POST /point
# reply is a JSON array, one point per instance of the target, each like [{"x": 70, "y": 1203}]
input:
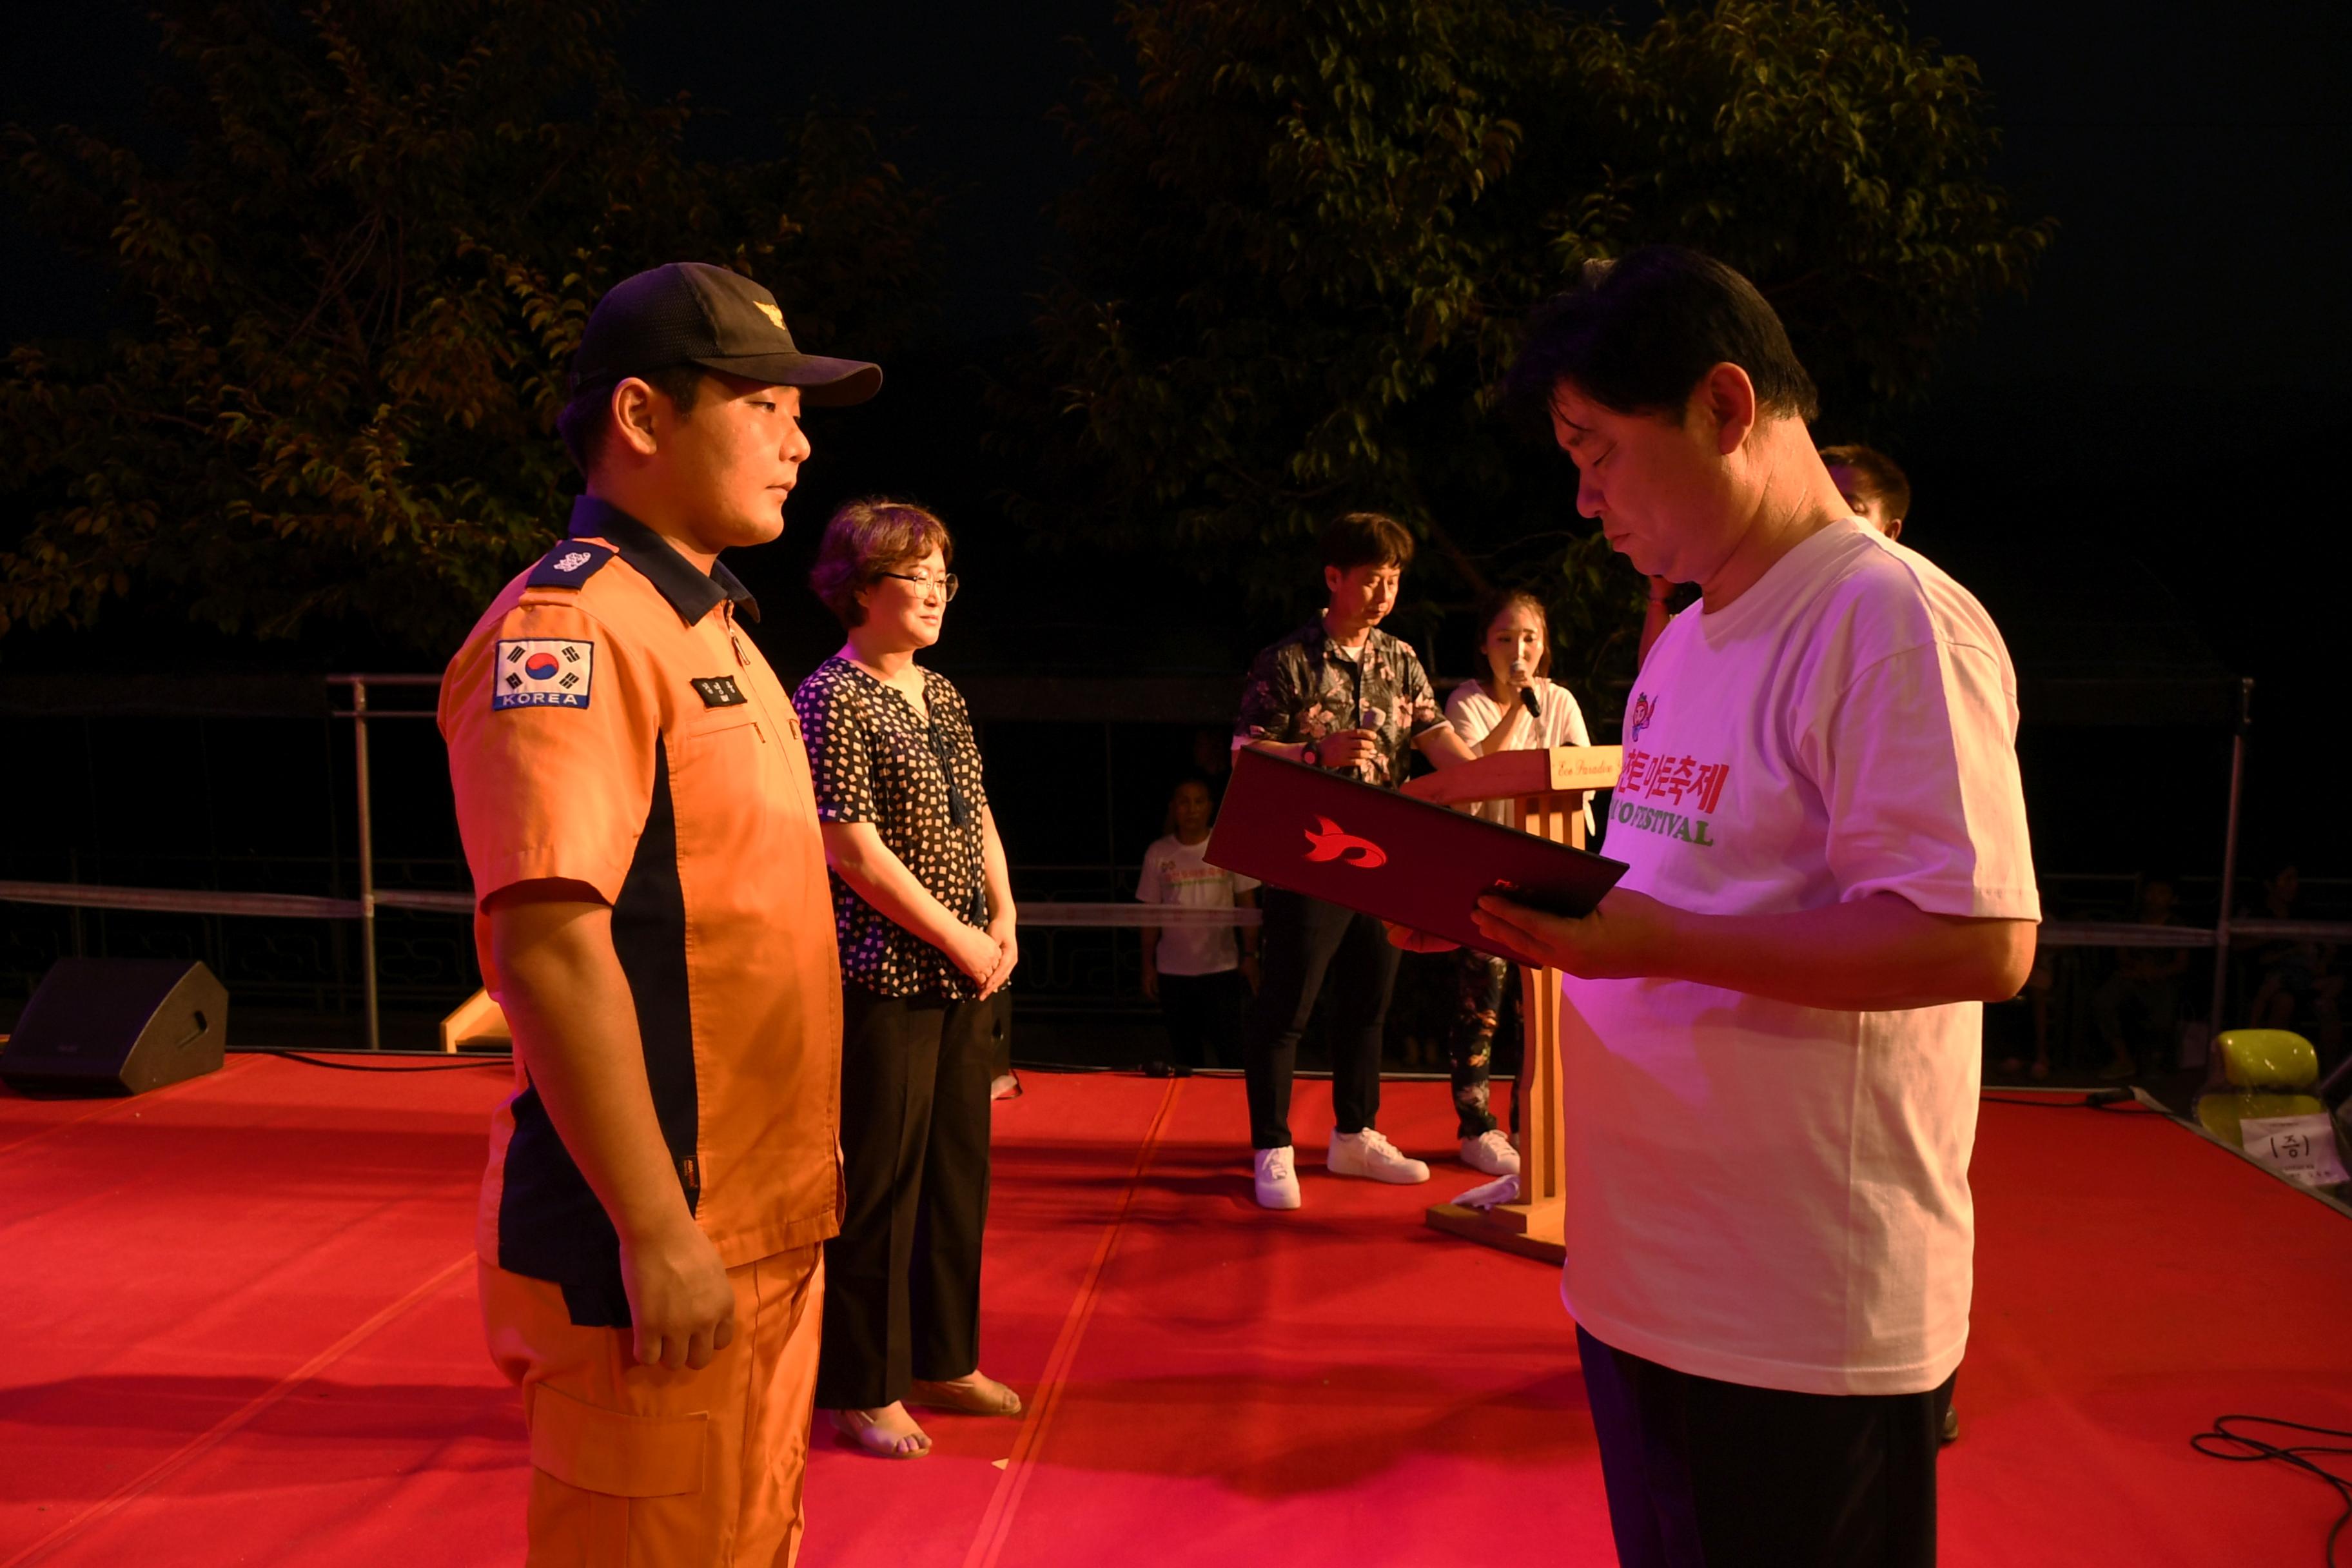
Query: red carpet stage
[{"x": 241, "y": 1330}]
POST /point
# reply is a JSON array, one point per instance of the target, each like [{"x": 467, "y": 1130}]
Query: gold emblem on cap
[{"x": 771, "y": 312}]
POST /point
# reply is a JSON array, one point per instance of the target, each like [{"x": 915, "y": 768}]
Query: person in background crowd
[
  {"x": 1338, "y": 693},
  {"x": 1201, "y": 976},
  {"x": 2296, "y": 975},
  {"x": 1880, "y": 494},
  {"x": 1771, "y": 1031},
  {"x": 1513, "y": 705},
  {"x": 1873, "y": 484},
  {"x": 924, "y": 908},
  {"x": 2146, "y": 981},
  {"x": 635, "y": 810}
]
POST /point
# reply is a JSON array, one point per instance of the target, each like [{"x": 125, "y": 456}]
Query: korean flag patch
[{"x": 542, "y": 672}]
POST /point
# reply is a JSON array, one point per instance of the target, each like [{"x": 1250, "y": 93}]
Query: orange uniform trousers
[{"x": 641, "y": 1467}]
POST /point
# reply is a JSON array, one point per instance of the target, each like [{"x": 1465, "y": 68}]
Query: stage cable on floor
[
  {"x": 2245, "y": 1449},
  {"x": 2116, "y": 1102},
  {"x": 1304, "y": 1074},
  {"x": 387, "y": 1067}
]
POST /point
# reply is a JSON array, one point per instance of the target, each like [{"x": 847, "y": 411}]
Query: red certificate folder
[{"x": 1381, "y": 853}]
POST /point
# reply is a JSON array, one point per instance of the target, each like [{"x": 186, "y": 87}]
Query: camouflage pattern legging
[{"x": 1485, "y": 1005}]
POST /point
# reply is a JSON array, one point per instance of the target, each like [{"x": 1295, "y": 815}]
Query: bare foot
[{"x": 889, "y": 1432}]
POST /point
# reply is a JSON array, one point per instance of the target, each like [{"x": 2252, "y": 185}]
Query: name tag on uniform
[
  {"x": 718, "y": 691},
  {"x": 542, "y": 672}
]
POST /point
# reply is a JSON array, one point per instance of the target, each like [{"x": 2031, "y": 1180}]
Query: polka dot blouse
[{"x": 875, "y": 759}]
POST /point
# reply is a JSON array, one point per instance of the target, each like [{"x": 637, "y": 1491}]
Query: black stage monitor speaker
[{"x": 116, "y": 1025}]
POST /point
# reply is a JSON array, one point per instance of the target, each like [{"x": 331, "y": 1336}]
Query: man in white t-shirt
[{"x": 1769, "y": 1052}]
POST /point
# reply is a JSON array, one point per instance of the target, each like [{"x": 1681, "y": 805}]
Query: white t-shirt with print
[
  {"x": 1175, "y": 872},
  {"x": 1473, "y": 716},
  {"x": 1758, "y": 1191}
]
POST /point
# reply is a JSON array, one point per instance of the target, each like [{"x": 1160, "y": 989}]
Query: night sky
[{"x": 2148, "y": 436}]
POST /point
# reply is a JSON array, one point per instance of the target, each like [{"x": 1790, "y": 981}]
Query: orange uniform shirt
[{"x": 609, "y": 722}]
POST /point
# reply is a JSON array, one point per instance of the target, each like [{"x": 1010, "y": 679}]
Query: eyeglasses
[{"x": 923, "y": 581}]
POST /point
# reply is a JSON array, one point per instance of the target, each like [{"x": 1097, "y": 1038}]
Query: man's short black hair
[
  {"x": 1880, "y": 478},
  {"x": 1366, "y": 539},
  {"x": 1637, "y": 334},
  {"x": 586, "y": 422}
]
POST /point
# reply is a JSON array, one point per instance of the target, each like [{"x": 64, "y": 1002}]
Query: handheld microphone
[{"x": 1527, "y": 693}]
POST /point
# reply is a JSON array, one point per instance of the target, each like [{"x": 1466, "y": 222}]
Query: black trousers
[
  {"x": 1303, "y": 940},
  {"x": 1706, "y": 1474},
  {"x": 1204, "y": 1016},
  {"x": 902, "y": 1279}
]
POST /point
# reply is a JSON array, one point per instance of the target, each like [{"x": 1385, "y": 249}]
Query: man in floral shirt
[{"x": 1338, "y": 693}]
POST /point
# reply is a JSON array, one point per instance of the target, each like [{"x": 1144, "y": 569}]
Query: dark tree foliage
[
  {"x": 1307, "y": 235},
  {"x": 349, "y": 297}
]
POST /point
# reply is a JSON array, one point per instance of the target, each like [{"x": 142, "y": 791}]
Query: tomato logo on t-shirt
[{"x": 1645, "y": 708}]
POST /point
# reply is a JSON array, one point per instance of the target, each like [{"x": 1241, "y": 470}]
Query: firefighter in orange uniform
[{"x": 653, "y": 916}]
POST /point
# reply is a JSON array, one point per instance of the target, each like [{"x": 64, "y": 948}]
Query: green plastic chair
[{"x": 2267, "y": 1070}]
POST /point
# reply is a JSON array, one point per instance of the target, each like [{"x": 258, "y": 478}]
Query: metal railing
[
  {"x": 2229, "y": 932},
  {"x": 371, "y": 899},
  {"x": 2226, "y": 931},
  {"x": 358, "y": 714}
]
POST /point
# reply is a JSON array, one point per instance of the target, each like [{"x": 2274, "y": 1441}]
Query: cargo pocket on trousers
[{"x": 642, "y": 1477}]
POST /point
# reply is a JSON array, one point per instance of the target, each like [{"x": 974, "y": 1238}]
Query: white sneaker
[
  {"x": 1491, "y": 1151},
  {"x": 1277, "y": 1181},
  {"x": 1367, "y": 1153}
]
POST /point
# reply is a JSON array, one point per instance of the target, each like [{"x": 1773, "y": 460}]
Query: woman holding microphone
[
  {"x": 1512, "y": 707},
  {"x": 923, "y": 908}
]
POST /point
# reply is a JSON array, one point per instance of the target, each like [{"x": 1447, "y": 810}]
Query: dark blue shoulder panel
[{"x": 568, "y": 565}]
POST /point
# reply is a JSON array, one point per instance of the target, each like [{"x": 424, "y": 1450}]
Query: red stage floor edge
[{"x": 244, "y": 1332}]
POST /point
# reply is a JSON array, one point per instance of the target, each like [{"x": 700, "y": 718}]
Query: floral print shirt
[
  {"x": 1305, "y": 688},
  {"x": 873, "y": 758}
]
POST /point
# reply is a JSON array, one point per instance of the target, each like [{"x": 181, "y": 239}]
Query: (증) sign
[{"x": 2300, "y": 1148}]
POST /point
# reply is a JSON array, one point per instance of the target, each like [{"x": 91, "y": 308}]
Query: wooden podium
[{"x": 1547, "y": 791}]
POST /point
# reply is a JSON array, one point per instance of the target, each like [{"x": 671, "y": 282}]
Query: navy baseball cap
[{"x": 690, "y": 313}]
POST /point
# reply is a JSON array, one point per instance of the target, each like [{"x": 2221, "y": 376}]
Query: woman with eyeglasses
[{"x": 923, "y": 908}]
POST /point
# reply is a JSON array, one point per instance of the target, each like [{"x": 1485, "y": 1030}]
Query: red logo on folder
[{"x": 1334, "y": 843}]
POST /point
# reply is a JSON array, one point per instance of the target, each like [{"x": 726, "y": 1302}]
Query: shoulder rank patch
[
  {"x": 568, "y": 566},
  {"x": 717, "y": 690},
  {"x": 542, "y": 672}
]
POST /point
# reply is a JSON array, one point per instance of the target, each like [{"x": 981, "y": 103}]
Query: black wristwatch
[{"x": 1311, "y": 755}]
